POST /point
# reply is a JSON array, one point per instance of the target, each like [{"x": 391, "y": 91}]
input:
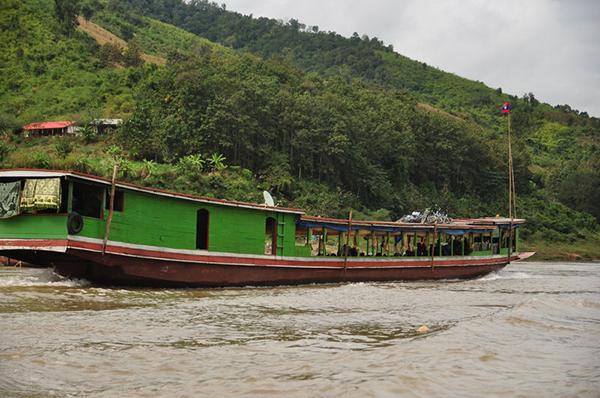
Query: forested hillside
[{"x": 325, "y": 122}]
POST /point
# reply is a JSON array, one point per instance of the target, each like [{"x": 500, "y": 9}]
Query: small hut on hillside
[
  {"x": 104, "y": 125},
  {"x": 49, "y": 128}
]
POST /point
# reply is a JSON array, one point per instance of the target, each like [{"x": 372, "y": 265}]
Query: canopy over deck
[{"x": 340, "y": 225}]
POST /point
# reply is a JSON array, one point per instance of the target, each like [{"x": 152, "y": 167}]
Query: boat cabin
[{"x": 141, "y": 216}]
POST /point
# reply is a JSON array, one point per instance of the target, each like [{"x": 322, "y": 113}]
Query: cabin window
[
  {"x": 87, "y": 200},
  {"x": 64, "y": 196},
  {"x": 202, "y": 229},
  {"x": 119, "y": 203},
  {"x": 270, "y": 236}
]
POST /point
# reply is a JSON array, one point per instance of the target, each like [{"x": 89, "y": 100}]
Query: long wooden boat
[{"x": 162, "y": 238}]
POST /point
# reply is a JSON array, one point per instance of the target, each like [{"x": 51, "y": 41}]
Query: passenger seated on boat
[
  {"x": 457, "y": 247},
  {"x": 445, "y": 249},
  {"x": 397, "y": 239},
  {"x": 409, "y": 252},
  {"x": 421, "y": 248},
  {"x": 353, "y": 251},
  {"x": 381, "y": 251}
]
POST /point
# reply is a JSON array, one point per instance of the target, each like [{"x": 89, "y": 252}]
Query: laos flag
[{"x": 506, "y": 107}]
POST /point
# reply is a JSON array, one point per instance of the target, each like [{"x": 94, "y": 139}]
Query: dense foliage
[
  {"x": 288, "y": 126},
  {"x": 334, "y": 56},
  {"x": 325, "y": 122}
]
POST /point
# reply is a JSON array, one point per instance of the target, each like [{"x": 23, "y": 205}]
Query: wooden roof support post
[
  {"x": 415, "y": 244},
  {"x": 110, "y": 208},
  {"x": 347, "y": 242},
  {"x": 433, "y": 244},
  {"x": 387, "y": 244},
  {"x": 322, "y": 242}
]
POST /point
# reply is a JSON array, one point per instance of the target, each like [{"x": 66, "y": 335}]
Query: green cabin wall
[
  {"x": 42, "y": 226},
  {"x": 170, "y": 222}
]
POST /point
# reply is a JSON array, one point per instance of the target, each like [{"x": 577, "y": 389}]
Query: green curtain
[
  {"x": 41, "y": 194},
  {"x": 9, "y": 199}
]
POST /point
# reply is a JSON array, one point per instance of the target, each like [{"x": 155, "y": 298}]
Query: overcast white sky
[{"x": 548, "y": 47}]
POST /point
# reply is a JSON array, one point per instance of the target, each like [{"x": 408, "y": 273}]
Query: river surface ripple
[{"x": 530, "y": 330}]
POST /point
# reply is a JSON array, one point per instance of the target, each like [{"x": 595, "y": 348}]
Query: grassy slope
[
  {"x": 583, "y": 250},
  {"x": 103, "y": 36},
  {"x": 45, "y": 75},
  {"x": 155, "y": 37}
]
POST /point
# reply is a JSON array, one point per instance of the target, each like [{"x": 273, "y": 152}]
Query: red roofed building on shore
[{"x": 49, "y": 128}]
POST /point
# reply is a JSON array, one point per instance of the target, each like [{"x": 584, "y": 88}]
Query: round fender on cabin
[{"x": 74, "y": 223}]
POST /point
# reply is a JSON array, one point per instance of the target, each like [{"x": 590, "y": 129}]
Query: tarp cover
[
  {"x": 453, "y": 231},
  {"x": 9, "y": 199},
  {"x": 41, "y": 194}
]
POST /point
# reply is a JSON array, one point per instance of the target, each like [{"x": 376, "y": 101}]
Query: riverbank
[{"x": 585, "y": 250}]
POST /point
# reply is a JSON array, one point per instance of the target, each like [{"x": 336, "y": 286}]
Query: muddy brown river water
[{"x": 530, "y": 330}]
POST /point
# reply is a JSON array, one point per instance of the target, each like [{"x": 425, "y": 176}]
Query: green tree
[
  {"x": 217, "y": 162},
  {"x": 191, "y": 164},
  {"x": 111, "y": 54},
  {"x": 148, "y": 168},
  {"x": 66, "y": 13},
  {"x": 4, "y": 150},
  {"x": 132, "y": 56},
  {"x": 89, "y": 134},
  {"x": 63, "y": 147}
]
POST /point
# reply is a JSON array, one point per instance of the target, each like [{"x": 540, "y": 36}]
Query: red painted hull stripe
[
  {"x": 216, "y": 259},
  {"x": 34, "y": 242}
]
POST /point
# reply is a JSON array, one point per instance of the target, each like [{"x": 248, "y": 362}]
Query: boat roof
[
  {"x": 41, "y": 173},
  {"x": 482, "y": 224},
  {"x": 490, "y": 220},
  {"x": 337, "y": 224}
]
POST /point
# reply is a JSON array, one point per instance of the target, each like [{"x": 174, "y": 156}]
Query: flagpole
[
  {"x": 510, "y": 177},
  {"x": 511, "y": 191},
  {"x": 514, "y": 192}
]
